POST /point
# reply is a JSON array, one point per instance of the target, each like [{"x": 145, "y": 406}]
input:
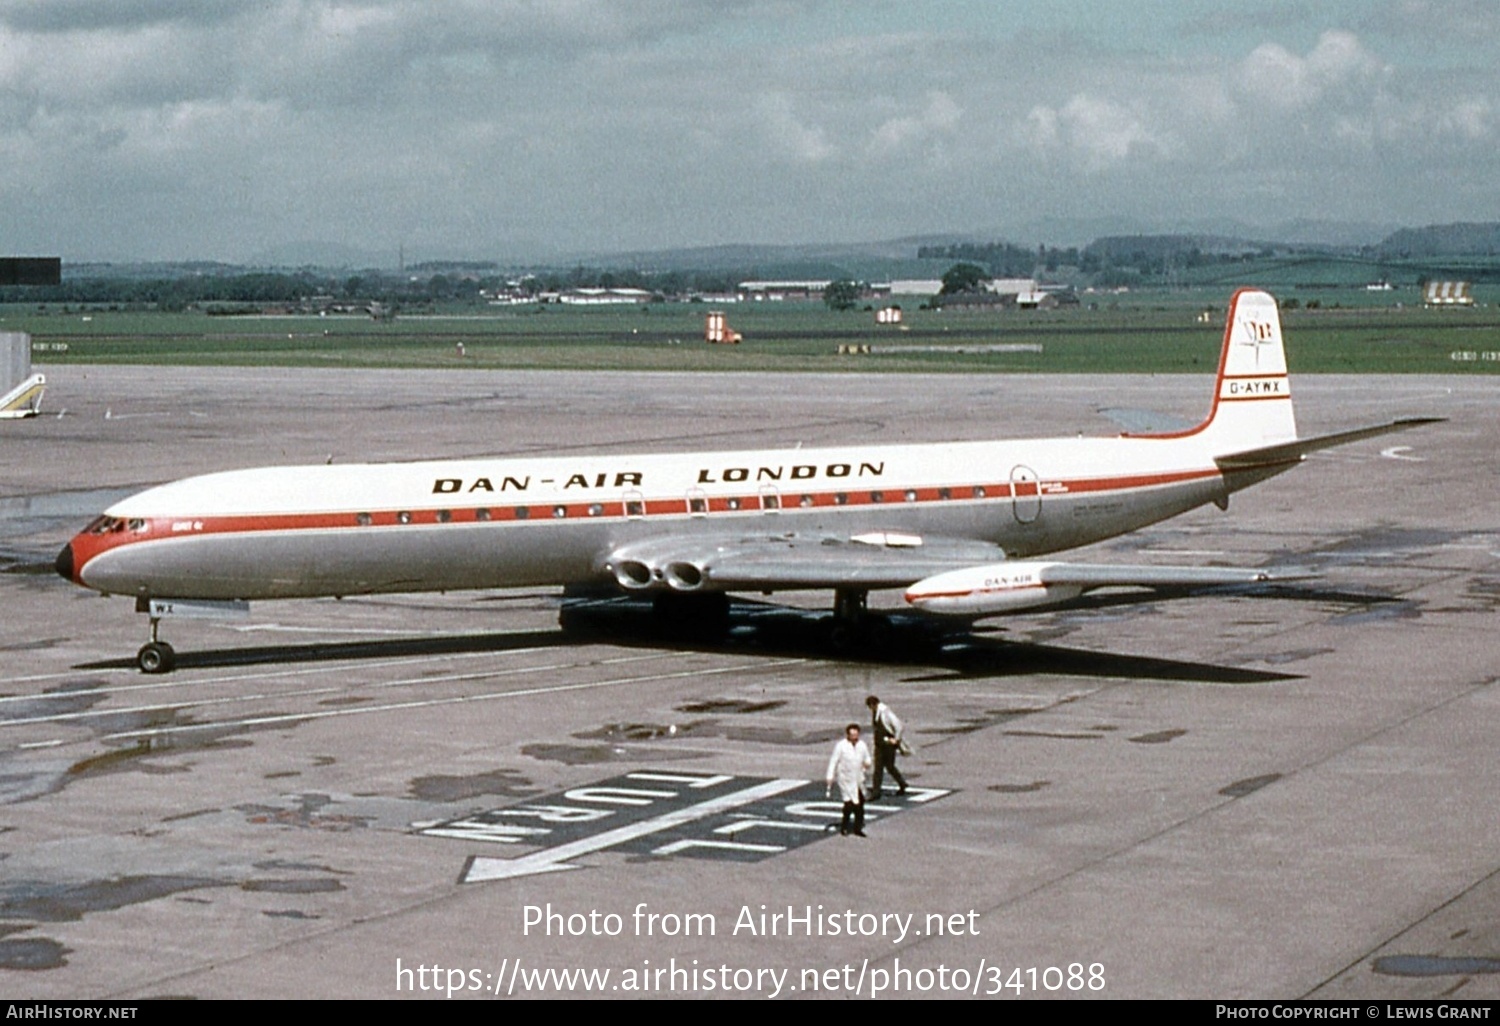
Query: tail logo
[{"x": 1256, "y": 335}]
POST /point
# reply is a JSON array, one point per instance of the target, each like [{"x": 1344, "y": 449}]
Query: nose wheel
[{"x": 156, "y": 656}]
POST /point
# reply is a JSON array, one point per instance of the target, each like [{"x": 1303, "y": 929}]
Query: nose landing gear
[{"x": 156, "y": 656}]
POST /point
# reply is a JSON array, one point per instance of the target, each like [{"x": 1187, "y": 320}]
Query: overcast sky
[{"x": 221, "y": 129}]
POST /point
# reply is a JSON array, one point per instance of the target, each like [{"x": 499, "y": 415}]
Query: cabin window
[
  {"x": 806, "y": 500},
  {"x": 635, "y": 508},
  {"x": 877, "y": 496},
  {"x": 444, "y": 516},
  {"x": 770, "y": 502},
  {"x": 363, "y": 519},
  {"x": 979, "y": 491},
  {"x": 559, "y": 511},
  {"x": 911, "y": 495},
  {"x": 734, "y": 503},
  {"x": 841, "y": 498},
  {"x": 595, "y": 509},
  {"x": 523, "y": 512},
  {"x": 697, "y": 504},
  {"x": 481, "y": 514},
  {"x": 404, "y": 517},
  {"x": 945, "y": 493}
]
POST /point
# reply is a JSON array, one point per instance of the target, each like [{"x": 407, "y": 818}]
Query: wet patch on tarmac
[
  {"x": 189, "y": 815},
  {"x": 1405, "y": 610},
  {"x": 73, "y": 696},
  {"x": 33, "y": 953},
  {"x": 640, "y": 731},
  {"x": 51, "y": 902},
  {"x": 121, "y": 759},
  {"x": 703, "y": 729},
  {"x": 506, "y": 782},
  {"x": 1035, "y": 785},
  {"x": 984, "y": 720},
  {"x": 30, "y": 782},
  {"x": 1382, "y": 544},
  {"x": 291, "y": 886},
  {"x": 778, "y": 736},
  {"x": 1159, "y": 737},
  {"x": 309, "y": 814},
  {"x": 586, "y": 755},
  {"x": 729, "y": 705},
  {"x": 284, "y": 866},
  {"x": 34, "y": 646},
  {"x": 1249, "y": 785},
  {"x": 1058, "y": 735},
  {"x": 1434, "y": 965},
  {"x": 1485, "y": 587},
  {"x": 1296, "y": 655},
  {"x": 1483, "y": 594}
]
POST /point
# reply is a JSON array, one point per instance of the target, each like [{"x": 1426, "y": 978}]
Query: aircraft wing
[
  {"x": 755, "y": 562},
  {"x": 1011, "y": 587}
]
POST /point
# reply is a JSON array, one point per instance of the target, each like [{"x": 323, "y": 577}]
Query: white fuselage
[{"x": 340, "y": 530}]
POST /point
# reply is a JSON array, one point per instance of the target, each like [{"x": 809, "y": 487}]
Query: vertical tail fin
[
  {"x": 1253, "y": 397},
  {"x": 1252, "y": 405}
]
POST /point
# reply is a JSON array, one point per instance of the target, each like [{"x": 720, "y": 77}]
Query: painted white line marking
[
  {"x": 273, "y": 695},
  {"x": 552, "y": 860},
  {"x": 259, "y": 721}
]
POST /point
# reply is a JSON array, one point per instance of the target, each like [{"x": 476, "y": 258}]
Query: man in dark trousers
[{"x": 888, "y": 742}]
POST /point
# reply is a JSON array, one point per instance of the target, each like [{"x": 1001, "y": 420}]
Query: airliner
[{"x": 959, "y": 526}]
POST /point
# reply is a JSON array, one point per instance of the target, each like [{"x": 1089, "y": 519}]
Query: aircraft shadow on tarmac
[{"x": 742, "y": 626}]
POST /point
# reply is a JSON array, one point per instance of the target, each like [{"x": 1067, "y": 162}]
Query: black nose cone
[{"x": 65, "y": 562}]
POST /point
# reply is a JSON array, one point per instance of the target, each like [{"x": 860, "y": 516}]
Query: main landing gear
[{"x": 853, "y": 625}]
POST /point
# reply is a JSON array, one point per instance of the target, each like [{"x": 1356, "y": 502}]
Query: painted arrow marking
[{"x": 551, "y": 860}]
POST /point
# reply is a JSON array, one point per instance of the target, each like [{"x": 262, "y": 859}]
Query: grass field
[{"x": 1351, "y": 331}]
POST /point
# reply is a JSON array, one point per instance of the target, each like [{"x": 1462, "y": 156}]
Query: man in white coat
[{"x": 848, "y": 765}]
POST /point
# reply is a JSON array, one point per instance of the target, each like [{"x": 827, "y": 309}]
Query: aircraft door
[{"x": 1025, "y": 494}]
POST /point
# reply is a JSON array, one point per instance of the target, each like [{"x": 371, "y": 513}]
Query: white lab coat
[{"x": 848, "y": 766}]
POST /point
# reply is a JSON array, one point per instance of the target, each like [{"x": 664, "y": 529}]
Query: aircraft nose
[{"x": 65, "y": 562}]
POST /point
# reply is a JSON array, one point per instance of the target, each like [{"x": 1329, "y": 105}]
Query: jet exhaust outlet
[
  {"x": 684, "y": 576},
  {"x": 633, "y": 574}
]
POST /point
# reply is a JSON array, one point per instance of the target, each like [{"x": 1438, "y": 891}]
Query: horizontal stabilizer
[{"x": 1293, "y": 452}]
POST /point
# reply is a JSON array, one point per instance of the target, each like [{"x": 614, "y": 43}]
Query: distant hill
[{"x": 1444, "y": 240}]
